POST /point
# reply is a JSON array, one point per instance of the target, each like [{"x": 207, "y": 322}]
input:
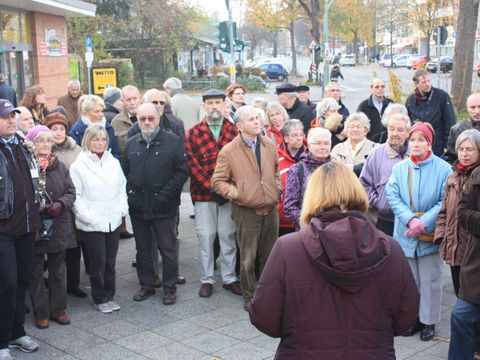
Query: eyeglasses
[
  {"x": 157, "y": 102},
  {"x": 320, "y": 143},
  {"x": 43, "y": 141},
  {"x": 467, "y": 150},
  {"x": 296, "y": 136},
  {"x": 239, "y": 93},
  {"x": 145, "y": 118},
  {"x": 355, "y": 127}
]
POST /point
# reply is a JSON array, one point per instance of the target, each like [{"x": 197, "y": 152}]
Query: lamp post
[
  {"x": 232, "y": 50},
  {"x": 326, "y": 68}
]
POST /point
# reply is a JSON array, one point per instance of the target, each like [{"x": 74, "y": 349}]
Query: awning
[{"x": 67, "y": 8}]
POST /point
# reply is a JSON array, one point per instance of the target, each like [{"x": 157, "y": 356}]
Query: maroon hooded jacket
[{"x": 337, "y": 289}]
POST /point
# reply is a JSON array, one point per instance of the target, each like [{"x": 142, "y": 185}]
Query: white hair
[
  {"x": 173, "y": 83},
  {"x": 318, "y": 132},
  {"x": 360, "y": 117}
]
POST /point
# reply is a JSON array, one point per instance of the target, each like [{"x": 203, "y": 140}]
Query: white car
[
  {"x": 348, "y": 60},
  {"x": 401, "y": 60}
]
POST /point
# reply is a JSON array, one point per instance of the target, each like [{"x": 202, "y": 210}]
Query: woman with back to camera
[{"x": 338, "y": 289}]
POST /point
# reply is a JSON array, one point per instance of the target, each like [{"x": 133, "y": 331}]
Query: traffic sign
[
  {"x": 103, "y": 78},
  {"x": 443, "y": 34},
  {"x": 88, "y": 43}
]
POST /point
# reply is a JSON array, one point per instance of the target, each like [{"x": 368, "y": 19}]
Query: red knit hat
[{"x": 426, "y": 129}]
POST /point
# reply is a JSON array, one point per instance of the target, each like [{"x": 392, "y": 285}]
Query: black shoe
[
  {"x": 413, "y": 329},
  {"x": 180, "y": 280},
  {"x": 77, "y": 292},
  {"x": 428, "y": 332},
  {"x": 126, "y": 235},
  {"x": 143, "y": 294}
]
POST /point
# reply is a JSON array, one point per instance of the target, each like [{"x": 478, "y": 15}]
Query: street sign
[
  {"x": 442, "y": 30},
  {"x": 313, "y": 69},
  {"x": 88, "y": 43},
  {"x": 312, "y": 45},
  {"x": 103, "y": 78}
]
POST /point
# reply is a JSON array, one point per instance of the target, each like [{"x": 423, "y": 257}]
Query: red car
[{"x": 419, "y": 62}]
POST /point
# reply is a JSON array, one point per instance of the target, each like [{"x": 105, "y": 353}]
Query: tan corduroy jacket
[{"x": 238, "y": 178}]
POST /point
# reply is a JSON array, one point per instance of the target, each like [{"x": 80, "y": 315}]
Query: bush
[{"x": 255, "y": 71}]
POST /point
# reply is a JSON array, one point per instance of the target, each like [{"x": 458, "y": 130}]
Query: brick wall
[{"x": 50, "y": 72}]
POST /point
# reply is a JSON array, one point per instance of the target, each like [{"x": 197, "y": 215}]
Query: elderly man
[
  {"x": 183, "y": 106},
  {"x": 434, "y": 106},
  {"x": 374, "y": 107},
  {"x": 247, "y": 175},
  {"x": 154, "y": 185},
  {"x": 113, "y": 103},
  {"x": 124, "y": 121},
  {"x": 212, "y": 212},
  {"x": 70, "y": 101},
  {"x": 24, "y": 121},
  {"x": 333, "y": 90},
  {"x": 303, "y": 93},
  {"x": 19, "y": 220},
  {"x": 378, "y": 168},
  {"x": 287, "y": 96},
  {"x": 473, "y": 122}
]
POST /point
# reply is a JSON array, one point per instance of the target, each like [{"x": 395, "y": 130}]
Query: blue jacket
[
  {"x": 78, "y": 130},
  {"x": 428, "y": 188}
]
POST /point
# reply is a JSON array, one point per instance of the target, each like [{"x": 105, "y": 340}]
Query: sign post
[
  {"x": 89, "y": 60},
  {"x": 440, "y": 36}
]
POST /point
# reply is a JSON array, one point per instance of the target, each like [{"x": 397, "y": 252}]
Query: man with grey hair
[
  {"x": 113, "y": 103},
  {"x": 154, "y": 186},
  {"x": 287, "y": 96},
  {"x": 473, "y": 122},
  {"x": 247, "y": 175},
  {"x": 183, "y": 106},
  {"x": 70, "y": 100},
  {"x": 24, "y": 121},
  {"x": 378, "y": 168}
]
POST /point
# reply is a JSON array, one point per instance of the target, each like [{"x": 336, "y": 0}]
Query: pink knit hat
[
  {"x": 33, "y": 132},
  {"x": 426, "y": 129}
]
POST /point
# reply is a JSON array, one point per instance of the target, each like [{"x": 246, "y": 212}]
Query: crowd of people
[{"x": 331, "y": 225}]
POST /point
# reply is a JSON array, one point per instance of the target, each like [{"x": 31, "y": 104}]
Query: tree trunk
[
  {"x": 275, "y": 43},
  {"x": 463, "y": 55},
  {"x": 355, "y": 46},
  {"x": 293, "y": 50},
  {"x": 428, "y": 47},
  {"x": 313, "y": 13}
]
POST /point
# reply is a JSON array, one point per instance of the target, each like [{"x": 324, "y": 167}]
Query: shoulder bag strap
[{"x": 412, "y": 205}]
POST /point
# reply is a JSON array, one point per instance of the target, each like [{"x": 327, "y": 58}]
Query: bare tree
[
  {"x": 463, "y": 56},
  {"x": 312, "y": 10}
]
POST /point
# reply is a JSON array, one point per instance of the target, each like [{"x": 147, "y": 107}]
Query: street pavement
[{"x": 194, "y": 328}]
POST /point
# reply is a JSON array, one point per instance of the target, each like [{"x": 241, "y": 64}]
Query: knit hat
[
  {"x": 36, "y": 130},
  {"x": 111, "y": 95},
  {"x": 55, "y": 118},
  {"x": 426, "y": 129}
]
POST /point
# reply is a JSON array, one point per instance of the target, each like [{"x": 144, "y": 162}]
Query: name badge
[{"x": 34, "y": 173}]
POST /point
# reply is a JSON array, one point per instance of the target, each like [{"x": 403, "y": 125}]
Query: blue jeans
[
  {"x": 16, "y": 256},
  {"x": 462, "y": 341}
]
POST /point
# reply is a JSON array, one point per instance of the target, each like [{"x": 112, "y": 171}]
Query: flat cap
[
  {"x": 285, "y": 87},
  {"x": 212, "y": 94},
  {"x": 301, "y": 87}
]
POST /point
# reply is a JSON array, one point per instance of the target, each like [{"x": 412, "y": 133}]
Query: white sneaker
[
  {"x": 6, "y": 355},
  {"x": 103, "y": 308},
  {"x": 24, "y": 343},
  {"x": 113, "y": 305}
]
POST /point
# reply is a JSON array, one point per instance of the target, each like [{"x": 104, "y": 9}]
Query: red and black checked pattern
[{"x": 202, "y": 152}]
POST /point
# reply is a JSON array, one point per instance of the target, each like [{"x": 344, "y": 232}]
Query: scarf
[{"x": 416, "y": 160}]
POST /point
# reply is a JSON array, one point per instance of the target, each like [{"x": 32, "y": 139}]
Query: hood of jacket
[
  {"x": 312, "y": 163},
  {"x": 68, "y": 144},
  {"x": 346, "y": 248}
]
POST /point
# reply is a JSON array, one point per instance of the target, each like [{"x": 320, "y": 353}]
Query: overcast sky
[{"x": 218, "y": 7}]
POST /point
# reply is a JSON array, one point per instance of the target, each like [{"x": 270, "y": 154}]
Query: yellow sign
[{"x": 103, "y": 78}]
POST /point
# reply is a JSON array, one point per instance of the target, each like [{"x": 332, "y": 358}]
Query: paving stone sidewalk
[{"x": 194, "y": 328}]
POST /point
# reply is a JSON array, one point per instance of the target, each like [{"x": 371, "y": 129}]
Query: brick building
[{"x": 33, "y": 43}]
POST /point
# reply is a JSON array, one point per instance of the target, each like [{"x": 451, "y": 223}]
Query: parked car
[
  {"x": 348, "y": 60},
  {"x": 419, "y": 62},
  {"x": 385, "y": 60},
  {"x": 410, "y": 61},
  {"x": 446, "y": 64},
  {"x": 401, "y": 60},
  {"x": 274, "y": 71}
]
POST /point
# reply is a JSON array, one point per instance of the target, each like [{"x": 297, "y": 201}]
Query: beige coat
[
  {"x": 121, "y": 123},
  {"x": 342, "y": 153},
  {"x": 67, "y": 152},
  {"x": 238, "y": 178},
  {"x": 185, "y": 108}
]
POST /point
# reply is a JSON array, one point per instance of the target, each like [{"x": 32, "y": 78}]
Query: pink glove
[{"x": 415, "y": 228}]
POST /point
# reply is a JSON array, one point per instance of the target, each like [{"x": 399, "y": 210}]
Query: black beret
[
  {"x": 303, "y": 88},
  {"x": 285, "y": 87}
]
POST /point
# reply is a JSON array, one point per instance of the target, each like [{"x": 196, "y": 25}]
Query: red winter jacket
[
  {"x": 202, "y": 152},
  {"x": 338, "y": 289}
]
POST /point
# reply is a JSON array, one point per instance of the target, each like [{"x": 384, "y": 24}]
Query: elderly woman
[
  {"x": 276, "y": 117},
  {"x": 289, "y": 153},
  {"x": 452, "y": 237},
  {"x": 415, "y": 192},
  {"x": 329, "y": 118},
  {"x": 34, "y": 99},
  {"x": 59, "y": 196},
  {"x": 91, "y": 112},
  {"x": 355, "y": 150},
  {"x": 66, "y": 150},
  {"x": 319, "y": 145},
  {"x": 338, "y": 281},
  {"x": 236, "y": 97},
  {"x": 100, "y": 205}
]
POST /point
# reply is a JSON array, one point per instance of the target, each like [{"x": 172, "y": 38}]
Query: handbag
[
  {"x": 47, "y": 225},
  {"x": 423, "y": 237}
]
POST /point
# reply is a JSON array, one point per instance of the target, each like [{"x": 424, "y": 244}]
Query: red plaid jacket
[{"x": 202, "y": 152}]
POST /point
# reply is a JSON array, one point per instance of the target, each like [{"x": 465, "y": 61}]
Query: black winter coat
[
  {"x": 8, "y": 93},
  {"x": 155, "y": 175},
  {"x": 110, "y": 112},
  {"x": 302, "y": 112},
  {"x": 436, "y": 109},
  {"x": 59, "y": 187},
  {"x": 169, "y": 123},
  {"x": 376, "y": 127}
]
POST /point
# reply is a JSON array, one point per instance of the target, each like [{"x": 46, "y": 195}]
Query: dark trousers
[
  {"x": 385, "y": 226},
  {"x": 15, "y": 266},
  {"x": 72, "y": 260},
  {"x": 166, "y": 235},
  {"x": 455, "y": 271},
  {"x": 102, "y": 251},
  {"x": 50, "y": 302}
]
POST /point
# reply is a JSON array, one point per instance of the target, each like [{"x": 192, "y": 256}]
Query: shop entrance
[{"x": 17, "y": 68}]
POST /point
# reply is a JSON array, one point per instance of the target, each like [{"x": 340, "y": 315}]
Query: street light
[
  {"x": 326, "y": 70},
  {"x": 232, "y": 50}
]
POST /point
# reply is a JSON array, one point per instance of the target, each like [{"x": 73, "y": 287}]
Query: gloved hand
[
  {"x": 54, "y": 210},
  {"x": 415, "y": 228},
  {"x": 220, "y": 200}
]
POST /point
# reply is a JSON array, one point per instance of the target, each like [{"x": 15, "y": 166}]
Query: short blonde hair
[
  {"x": 88, "y": 102},
  {"x": 275, "y": 105},
  {"x": 333, "y": 186},
  {"x": 92, "y": 131}
]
